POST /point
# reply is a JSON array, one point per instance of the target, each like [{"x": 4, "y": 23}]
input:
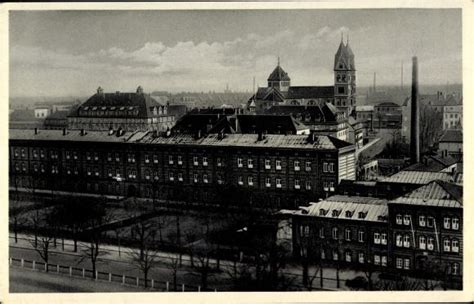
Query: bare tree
[
  {"x": 173, "y": 265},
  {"x": 42, "y": 244},
  {"x": 42, "y": 247},
  {"x": 144, "y": 230},
  {"x": 431, "y": 127},
  {"x": 16, "y": 219},
  {"x": 94, "y": 234},
  {"x": 144, "y": 259}
]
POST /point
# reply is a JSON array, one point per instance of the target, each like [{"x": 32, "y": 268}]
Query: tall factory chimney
[{"x": 415, "y": 115}]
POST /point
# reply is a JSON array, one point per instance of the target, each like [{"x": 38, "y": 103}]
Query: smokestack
[
  {"x": 375, "y": 79},
  {"x": 415, "y": 115},
  {"x": 401, "y": 78}
]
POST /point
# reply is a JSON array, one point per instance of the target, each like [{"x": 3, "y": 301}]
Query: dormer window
[
  {"x": 348, "y": 214},
  {"x": 362, "y": 215},
  {"x": 335, "y": 213},
  {"x": 322, "y": 212}
]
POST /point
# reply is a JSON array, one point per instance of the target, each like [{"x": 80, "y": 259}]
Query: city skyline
[{"x": 120, "y": 50}]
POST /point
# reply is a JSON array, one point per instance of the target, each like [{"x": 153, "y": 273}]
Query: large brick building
[
  {"x": 417, "y": 234},
  {"x": 126, "y": 111},
  {"x": 283, "y": 170}
]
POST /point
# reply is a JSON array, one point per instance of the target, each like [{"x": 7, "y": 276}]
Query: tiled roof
[
  {"x": 417, "y": 177},
  {"x": 308, "y": 92},
  {"x": 437, "y": 194},
  {"x": 278, "y": 74},
  {"x": 338, "y": 206},
  {"x": 121, "y": 103},
  {"x": 451, "y": 136},
  {"x": 322, "y": 142}
]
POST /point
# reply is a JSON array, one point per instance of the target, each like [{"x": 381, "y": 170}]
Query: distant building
[
  {"x": 24, "y": 119},
  {"x": 280, "y": 91},
  {"x": 449, "y": 106},
  {"x": 126, "y": 111},
  {"x": 387, "y": 115},
  {"x": 42, "y": 112},
  {"x": 451, "y": 144},
  {"x": 57, "y": 120}
]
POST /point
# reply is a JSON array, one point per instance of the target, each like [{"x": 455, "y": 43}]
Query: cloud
[{"x": 189, "y": 65}]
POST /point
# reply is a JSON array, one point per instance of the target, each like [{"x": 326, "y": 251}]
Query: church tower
[
  {"x": 344, "y": 78},
  {"x": 279, "y": 79}
]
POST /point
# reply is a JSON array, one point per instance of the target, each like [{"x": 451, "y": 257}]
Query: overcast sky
[{"x": 71, "y": 53}]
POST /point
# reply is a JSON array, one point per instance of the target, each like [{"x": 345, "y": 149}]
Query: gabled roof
[
  {"x": 268, "y": 94},
  {"x": 437, "y": 193},
  {"x": 278, "y": 74},
  {"x": 454, "y": 136}
]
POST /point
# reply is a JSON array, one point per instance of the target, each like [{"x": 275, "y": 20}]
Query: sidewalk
[{"x": 116, "y": 254}]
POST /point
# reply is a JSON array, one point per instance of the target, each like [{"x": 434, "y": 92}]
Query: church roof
[
  {"x": 345, "y": 56},
  {"x": 278, "y": 74}
]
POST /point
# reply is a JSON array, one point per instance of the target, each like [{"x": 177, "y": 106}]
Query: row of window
[
  {"x": 427, "y": 243},
  {"x": 380, "y": 260},
  {"x": 428, "y": 221},
  {"x": 379, "y": 237},
  {"x": 327, "y": 166}
]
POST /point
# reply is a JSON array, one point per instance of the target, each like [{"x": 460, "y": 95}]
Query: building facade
[
  {"x": 125, "y": 111},
  {"x": 283, "y": 170},
  {"x": 418, "y": 234}
]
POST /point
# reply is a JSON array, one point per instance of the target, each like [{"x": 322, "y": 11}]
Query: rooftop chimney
[
  {"x": 64, "y": 131},
  {"x": 415, "y": 115}
]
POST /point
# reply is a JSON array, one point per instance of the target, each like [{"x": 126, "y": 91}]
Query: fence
[{"x": 103, "y": 276}]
